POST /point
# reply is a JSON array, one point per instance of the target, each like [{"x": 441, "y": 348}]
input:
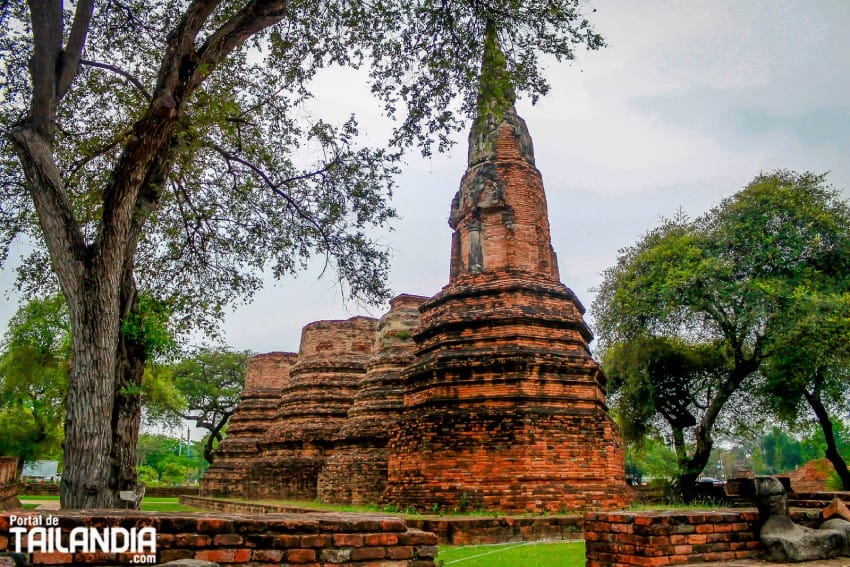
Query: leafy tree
[
  {"x": 34, "y": 380},
  {"x": 779, "y": 452},
  {"x": 809, "y": 368},
  {"x": 211, "y": 382},
  {"x": 162, "y": 149},
  {"x": 710, "y": 298}
]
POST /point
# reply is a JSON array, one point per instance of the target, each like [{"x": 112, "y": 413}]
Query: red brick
[
  {"x": 227, "y": 540},
  {"x": 224, "y": 555},
  {"x": 365, "y": 553},
  {"x": 56, "y": 558},
  {"x": 270, "y": 555},
  {"x": 386, "y": 539},
  {"x": 300, "y": 555},
  {"x": 316, "y": 540}
]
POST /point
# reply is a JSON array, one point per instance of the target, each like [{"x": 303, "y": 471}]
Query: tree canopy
[
  {"x": 699, "y": 309},
  {"x": 210, "y": 382}
]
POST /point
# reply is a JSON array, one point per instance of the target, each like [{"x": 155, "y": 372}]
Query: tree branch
[
  {"x": 74, "y": 49},
  {"x": 119, "y": 71},
  {"x": 47, "y": 47}
]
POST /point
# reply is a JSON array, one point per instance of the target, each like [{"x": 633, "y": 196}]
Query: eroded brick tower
[
  {"x": 265, "y": 378},
  {"x": 356, "y": 472},
  {"x": 504, "y": 408},
  {"x": 313, "y": 406}
]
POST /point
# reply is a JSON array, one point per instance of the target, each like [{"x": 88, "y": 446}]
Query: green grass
[
  {"x": 521, "y": 554},
  {"x": 149, "y": 504},
  {"x": 164, "y": 505}
]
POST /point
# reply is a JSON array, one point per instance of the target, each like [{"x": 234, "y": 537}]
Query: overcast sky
[{"x": 689, "y": 101}]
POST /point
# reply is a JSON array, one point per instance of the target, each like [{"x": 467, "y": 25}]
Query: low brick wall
[
  {"x": 297, "y": 540},
  {"x": 464, "y": 530},
  {"x": 620, "y": 539}
]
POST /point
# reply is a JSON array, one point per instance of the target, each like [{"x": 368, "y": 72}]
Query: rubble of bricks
[
  {"x": 9, "y": 484},
  {"x": 312, "y": 409},
  {"x": 812, "y": 477},
  {"x": 356, "y": 472},
  {"x": 504, "y": 407},
  {"x": 346, "y": 540},
  {"x": 265, "y": 378}
]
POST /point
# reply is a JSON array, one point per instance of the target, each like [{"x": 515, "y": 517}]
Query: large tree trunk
[
  {"x": 838, "y": 462},
  {"x": 127, "y": 410},
  {"x": 91, "y": 393}
]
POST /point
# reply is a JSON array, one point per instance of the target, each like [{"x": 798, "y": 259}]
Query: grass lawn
[
  {"x": 149, "y": 504},
  {"x": 521, "y": 554}
]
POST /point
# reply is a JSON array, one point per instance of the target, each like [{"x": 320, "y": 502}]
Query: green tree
[
  {"x": 210, "y": 382},
  {"x": 779, "y": 452},
  {"x": 34, "y": 369},
  {"x": 163, "y": 146},
  {"x": 719, "y": 287},
  {"x": 809, "y": 367}
]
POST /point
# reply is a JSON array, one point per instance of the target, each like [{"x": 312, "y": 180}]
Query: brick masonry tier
[
  {"x": 356, "y": 472},
  {"x": 275, "y": 539},
  {"x": 266, "y": 375},
  {"x": 517, "y": 460},
  {"x": 9, "y": 484}
]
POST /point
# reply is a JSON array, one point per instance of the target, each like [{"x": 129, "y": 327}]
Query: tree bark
[
  {"x": 832, "y": 453},
  {"x": 127, "y": 408}
]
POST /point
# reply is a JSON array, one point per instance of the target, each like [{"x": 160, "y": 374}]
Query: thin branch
[
  {"x": 74, "y": 49},
  {"x": 118, "y": 71}
]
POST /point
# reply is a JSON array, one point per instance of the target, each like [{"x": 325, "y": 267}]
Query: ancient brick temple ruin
[{"x": 490, "y": 401}]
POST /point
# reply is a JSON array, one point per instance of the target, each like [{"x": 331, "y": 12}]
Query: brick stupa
[
  {"x": 356, "y": 472},
  {"x": 313, "y": 407},
  {"x": 504, "y": 408},
  {"x": 265, "y": 377}
]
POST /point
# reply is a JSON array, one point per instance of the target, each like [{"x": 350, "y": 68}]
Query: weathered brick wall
[
  {"x": 265, "y": 378},
  {"x": 9, "y": 483},
  {"x": 303, "y": 539},
  {"x": 313, "y": 407},
  {"x": 356, "y": 472},
  {"x": 621, "y": 539}
]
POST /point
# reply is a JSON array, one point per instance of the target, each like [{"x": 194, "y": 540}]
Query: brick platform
[{"x": 306, "y": 540}]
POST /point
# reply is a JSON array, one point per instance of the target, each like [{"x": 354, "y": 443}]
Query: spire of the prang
[
  {"x": 496, "y": 98},
  {"x": 499, "y": 214}
]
